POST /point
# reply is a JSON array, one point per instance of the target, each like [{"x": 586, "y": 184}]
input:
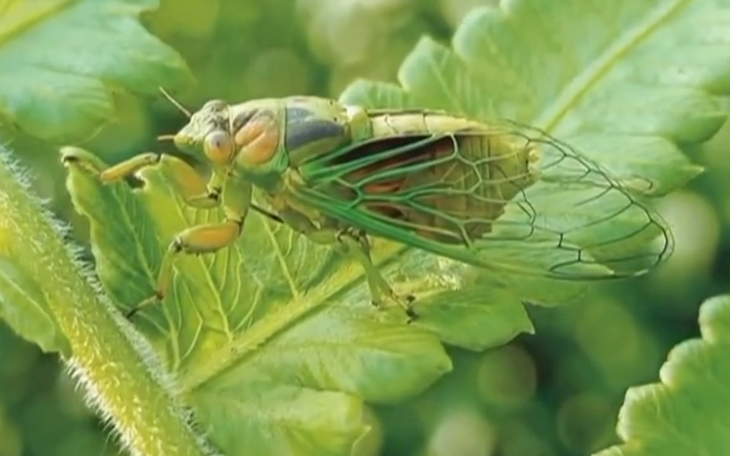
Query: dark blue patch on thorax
[{"x": 303, "y": 127}]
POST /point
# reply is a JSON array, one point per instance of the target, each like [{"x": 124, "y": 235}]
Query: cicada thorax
[
  {"x": 443, "y": 177},
  {"x": 274, "y": 135}
]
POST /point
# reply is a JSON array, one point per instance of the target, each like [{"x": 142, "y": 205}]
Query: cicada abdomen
[{"x": 442, "y": 177}]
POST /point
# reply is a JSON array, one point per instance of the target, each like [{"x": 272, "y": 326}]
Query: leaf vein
[{"x": 584, "y": 82}]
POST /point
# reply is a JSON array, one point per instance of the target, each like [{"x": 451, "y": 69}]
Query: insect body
[{"x": 494, "y": 195}]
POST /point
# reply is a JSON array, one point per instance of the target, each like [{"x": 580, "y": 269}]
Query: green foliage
[
  {"x": 518, "y": 75},
  {"x": 687, "y": 412},
  {"x": 600, "y": 93},
  {"x": 65, "y": 93},
  {"x": 94, "y": 333},
  {"x": 24, "y": 307},
  {"x": 273, "y": 343}
]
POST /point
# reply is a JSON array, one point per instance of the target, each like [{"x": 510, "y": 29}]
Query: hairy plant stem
[{"x": 118, "y": 368}]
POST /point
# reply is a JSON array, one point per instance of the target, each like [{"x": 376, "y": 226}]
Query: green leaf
[
  {"x": 275, "y": 419},
  {"x": 687, "y": 412},
  {"x": 623, "y": 82},
  {"x": 23, "y": 306},
  {"x": 622, "y": 90},
  {"x": 113, "y": 362},
  {"x": 475, "y": 318},
  {"x": 271, "y": 310},
  {"x": 62, "y": 60},
  {"x": 278, "y": 315}
]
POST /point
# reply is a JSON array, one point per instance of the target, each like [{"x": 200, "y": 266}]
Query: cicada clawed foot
[
  {"x": 78, "y": 157},
  {"x": 403, "y": 301},
  {"x": 152, "y": 300}
]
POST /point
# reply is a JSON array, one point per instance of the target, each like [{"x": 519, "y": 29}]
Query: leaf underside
[{"x": 621, "y": 81}]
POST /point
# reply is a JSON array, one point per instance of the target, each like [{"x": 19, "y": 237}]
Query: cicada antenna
[{"x": 175, "y": 103}]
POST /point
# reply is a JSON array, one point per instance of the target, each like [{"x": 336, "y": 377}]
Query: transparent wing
[
  {"x": 504, "y": 196},
  {"x": 575, "y": 221}
]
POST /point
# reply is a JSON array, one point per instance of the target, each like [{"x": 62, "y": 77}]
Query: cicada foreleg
[
  {"x": 86, "y": 161},
  {"x": 235, "y": 198},
  {"x": 190, "y": 185},
  {"x": 232, "y": 194},
  {"x": 188, "y": 182}
]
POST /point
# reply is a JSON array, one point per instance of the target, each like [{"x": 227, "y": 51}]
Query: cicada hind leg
[{"x": 356, "y": 243}]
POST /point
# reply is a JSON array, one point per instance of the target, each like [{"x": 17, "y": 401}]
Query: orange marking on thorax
[{"x": 258, "y": 140}]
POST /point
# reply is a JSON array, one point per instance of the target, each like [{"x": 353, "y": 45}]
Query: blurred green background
[{"x": 554, "y": 393}]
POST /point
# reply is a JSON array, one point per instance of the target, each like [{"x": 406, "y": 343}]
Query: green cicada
[{"x": 494, "y": 195}]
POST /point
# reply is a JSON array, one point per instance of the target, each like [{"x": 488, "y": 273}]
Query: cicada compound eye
[{"x": 219, "y": 147}]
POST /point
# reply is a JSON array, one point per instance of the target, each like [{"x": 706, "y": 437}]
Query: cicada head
[
  {"x": 244, "y": 137},
  {"x": 207, "y": 134}
]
